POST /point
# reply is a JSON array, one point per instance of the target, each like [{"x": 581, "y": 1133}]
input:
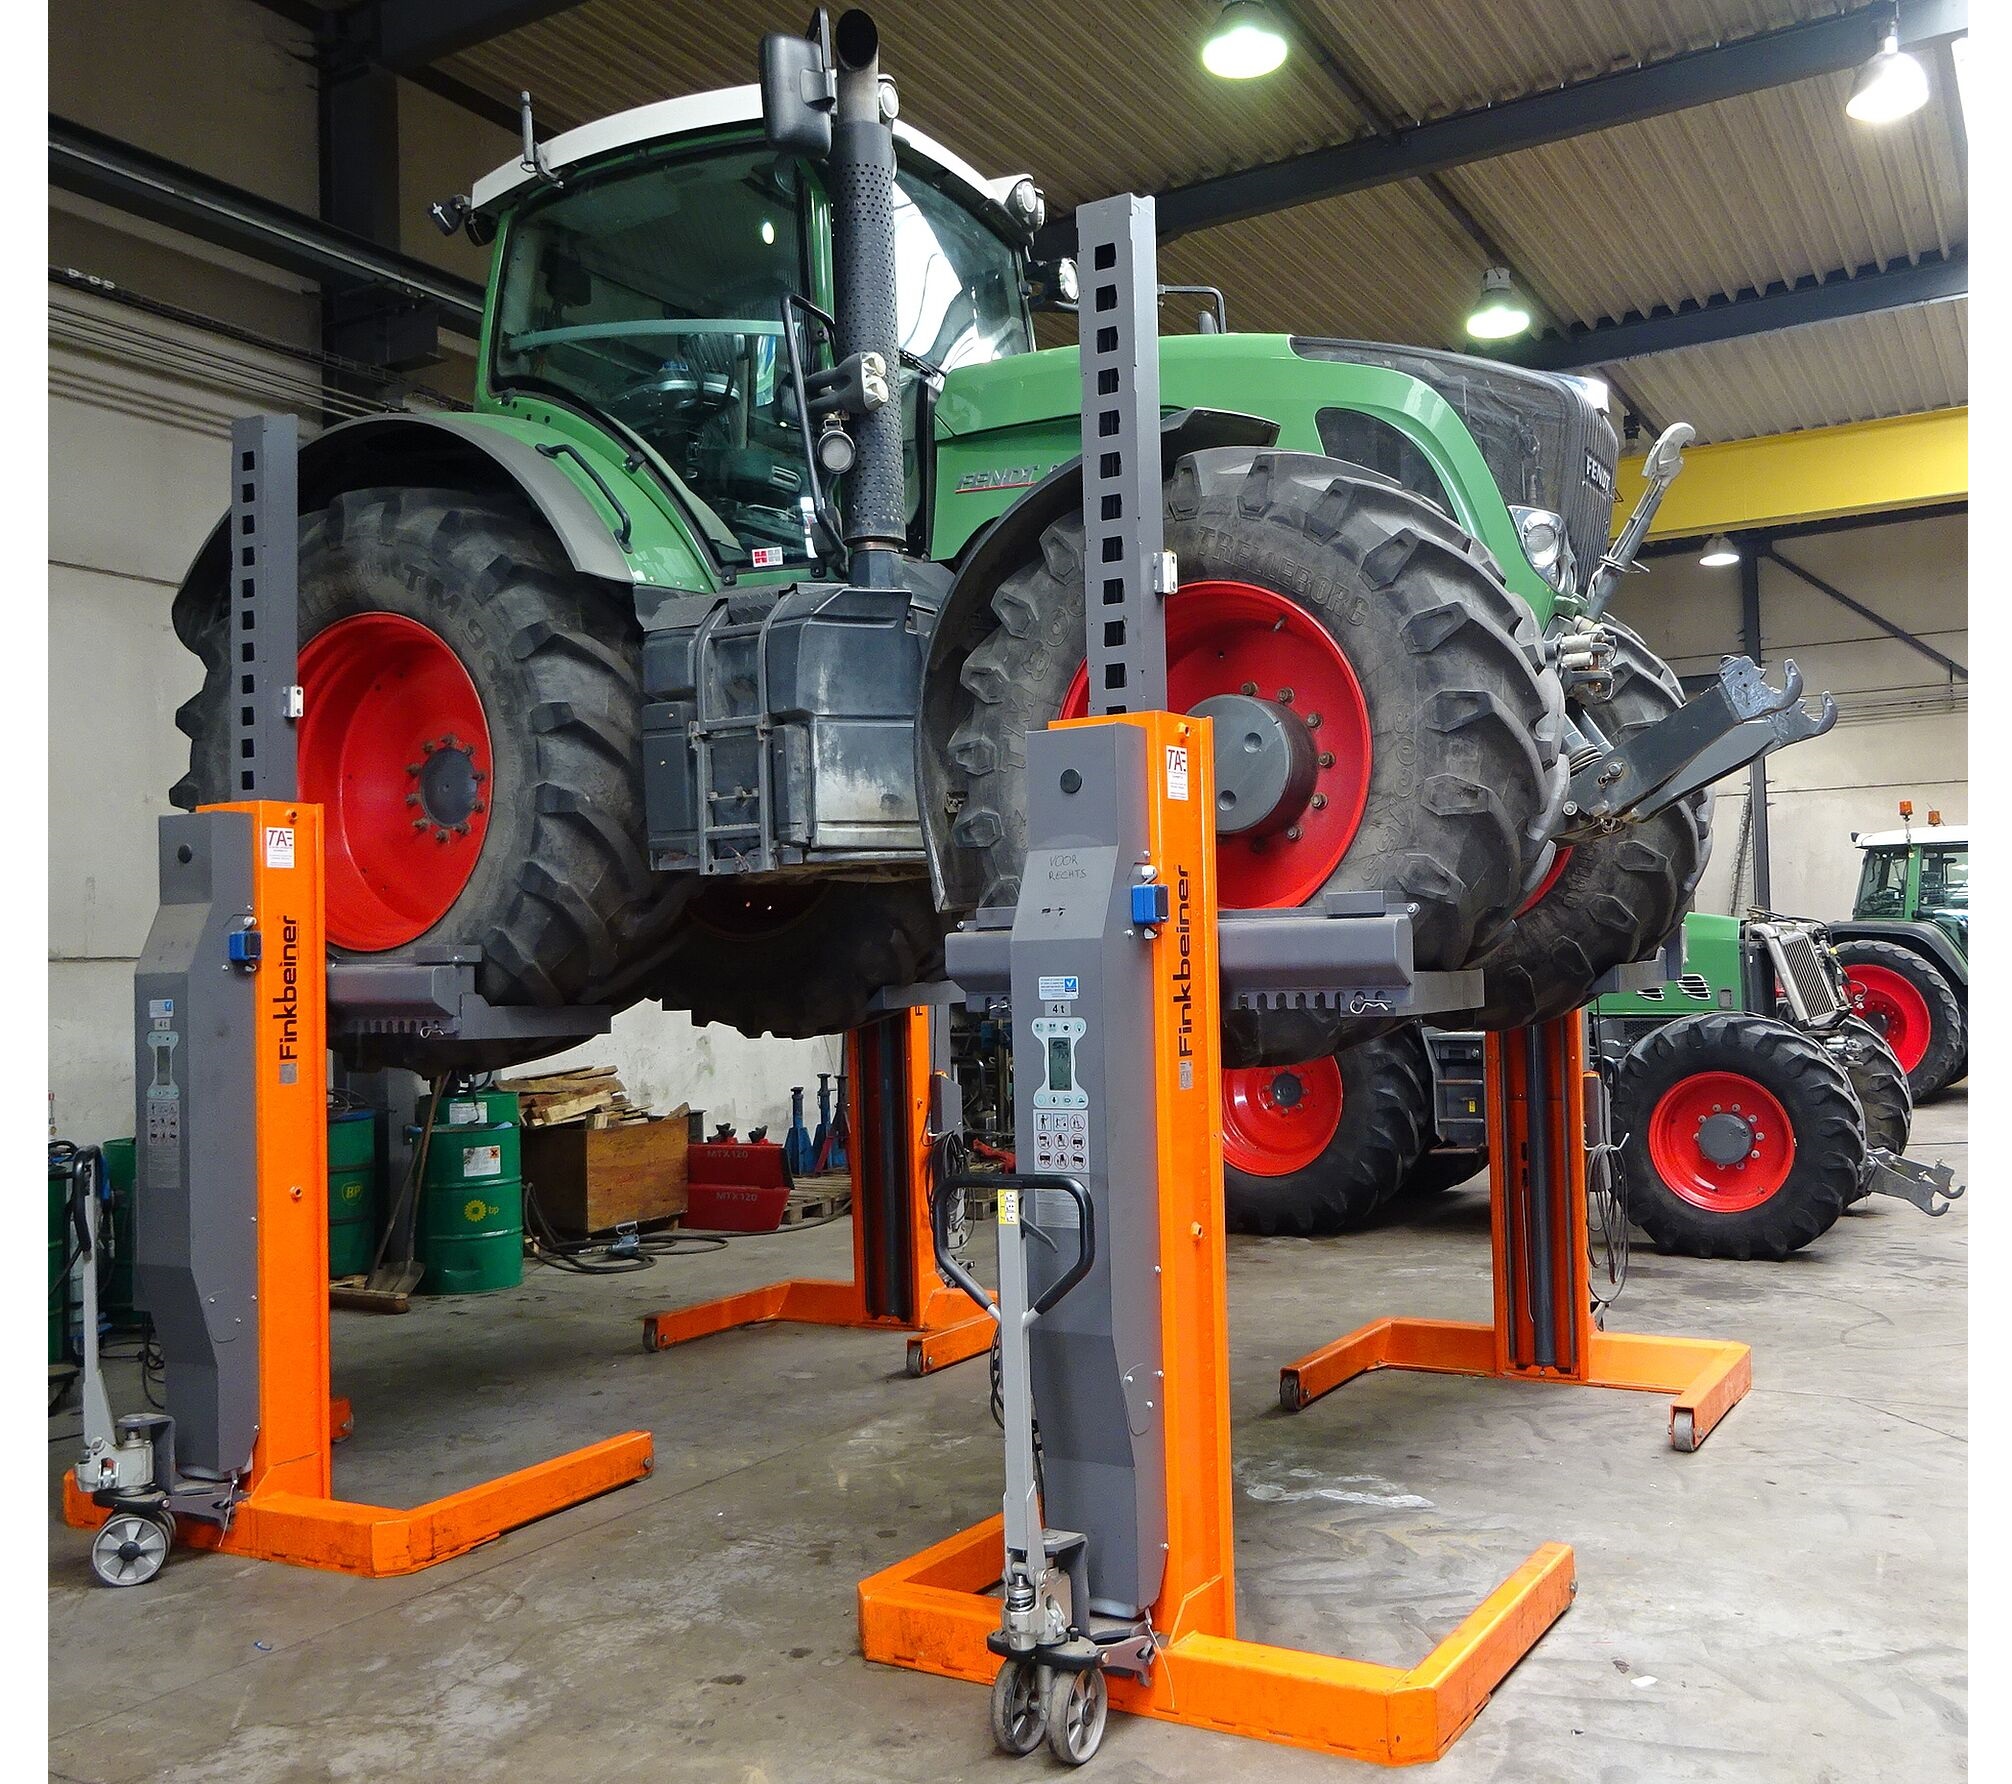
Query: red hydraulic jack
[
  {"x": 1543, "y": 1326},
  {"x": 895, "y": 1284}
]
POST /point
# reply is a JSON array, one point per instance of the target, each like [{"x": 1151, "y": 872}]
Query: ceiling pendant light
[
  {"x": 1888, "y": 87},
  {"x": 1719, "y": 551},
  {"x": 1246, "y": 42},
  {"x": 1502, "y": 311}
]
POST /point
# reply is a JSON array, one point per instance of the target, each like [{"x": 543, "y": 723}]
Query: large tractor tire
[
  {"x": 1905, "y": 997},
  {"x": 1320, "y": 1146},
  {"x": 1612, "y": 899},
  {"x": 798, "y": 958},
  {"x": 1388, "y": 642},
  {"x": 1743, "y": 1136},
  {"x": 1880, "y": 1085},
  {"x": 471, "y": 733}
]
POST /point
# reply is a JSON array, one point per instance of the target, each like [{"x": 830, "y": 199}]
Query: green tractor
[
  {"x": 1750, "y": 1104},
  {"x": 693, "y": 663},
  {"x": 1906, "y": 947}
]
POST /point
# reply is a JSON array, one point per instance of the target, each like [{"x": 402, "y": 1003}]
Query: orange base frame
[
  {"x": 1706, "y": 1378},
  {"x": 946, "y": 1329},
  {"x": 933, "y": 1612},
  {"x": 272, "y": 1524}
]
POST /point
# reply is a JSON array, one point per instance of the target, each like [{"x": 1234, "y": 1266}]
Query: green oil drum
[
  {"x": 115, "y": 1294},
  {"x": 352, "y": 1191},
  {"x": 471, "y": 1203}
]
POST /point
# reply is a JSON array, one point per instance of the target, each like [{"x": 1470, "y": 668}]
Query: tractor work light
[
  {"x": 1719, "y": 552},
  {"x": 1889, "y": 87},
  {"x": 1501, "y": 313},
  {"x": 1246, "y": 42}
]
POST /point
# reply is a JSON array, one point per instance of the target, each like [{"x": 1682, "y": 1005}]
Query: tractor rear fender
[
  {"x": 967, "y": 616},
  {"x": 456, "y": 452},
  {"x": 1918, "y": 938}
]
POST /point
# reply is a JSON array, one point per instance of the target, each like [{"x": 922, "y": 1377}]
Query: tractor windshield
[
  {"x": 651, "y": 293},
  {"x": 1882, "y": 884}
]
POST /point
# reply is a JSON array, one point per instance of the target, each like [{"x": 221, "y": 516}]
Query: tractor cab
[
  {"x": 1913, "y": 876},
  {"x": 659, "y": 272}
]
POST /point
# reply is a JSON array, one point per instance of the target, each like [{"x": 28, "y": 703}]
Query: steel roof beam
[
  {"x": 1749, "y": 65},
  {"x": 143, "y": 185},
  {"x": 1892, "y": 629},
  {"x": 404, "y": 35},
  {"x": 1933, "y": 279}
]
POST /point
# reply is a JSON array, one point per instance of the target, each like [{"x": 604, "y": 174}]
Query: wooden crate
[{"x": 589, "y": 1179}]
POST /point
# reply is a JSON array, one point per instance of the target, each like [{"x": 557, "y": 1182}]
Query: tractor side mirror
[{"x": 799, "y": 90}]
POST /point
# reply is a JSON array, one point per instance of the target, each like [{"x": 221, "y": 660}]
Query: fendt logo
[{"x": 1005, "y": 477}]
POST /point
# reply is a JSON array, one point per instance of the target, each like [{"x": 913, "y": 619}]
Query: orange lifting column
[
  {"x": 287, "y": 1514},
  {"x": 933, "y": 1611},
  {"x": 1705, "y": 1377},
  {"x": 895, "y": 1283}
]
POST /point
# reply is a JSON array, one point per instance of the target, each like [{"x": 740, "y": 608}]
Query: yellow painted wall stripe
[{"x": 1865, "y": 467}]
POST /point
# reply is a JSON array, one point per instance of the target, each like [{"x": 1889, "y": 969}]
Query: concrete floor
[{"x": 1789, "y": 1603}]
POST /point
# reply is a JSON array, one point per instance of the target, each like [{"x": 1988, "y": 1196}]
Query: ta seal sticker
[
  {"x": 279, "y": 845},
  {"x": 1177, "y": 772}
]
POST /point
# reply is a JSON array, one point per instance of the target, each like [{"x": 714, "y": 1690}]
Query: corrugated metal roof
[
  {"x": 1892, "y": 363},
  {"x": 1110, "y": 96}
]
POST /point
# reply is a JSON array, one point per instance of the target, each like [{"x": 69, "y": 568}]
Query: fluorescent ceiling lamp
[
  {"x": 1719, "y": 551},
  {"x": 1888, "y": 87},
  {"x": 1501, "y": 312},
  {"x": 1246, "y": 42}
]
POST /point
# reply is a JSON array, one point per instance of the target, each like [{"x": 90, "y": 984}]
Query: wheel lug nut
[
  {"x": 1292, "y": 835},
  {"x": 440, "y": 836},
  {"x": 461, "y": 829},
  {"x": 1249, "y": 687},
  {"x": 480, "y": 777},
  {"x": 1285, "y": 696},
  {"x": 1325, "y": 758},
  {"x": 412, "y": 799},
  {"x": 419, "y": 823},
  {"x": 429, "y": 746},
  {"x": 1313, "y": 721},
  {"x": 479, "y": 805},
  {"x": 413, "y": 768},
  {"x": 1318, "y": 802}
]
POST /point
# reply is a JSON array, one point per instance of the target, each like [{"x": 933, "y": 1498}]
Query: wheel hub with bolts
[
  {"x": 1727, "y": 1137},
  {"x": 1266, "y": 764},
  {"x": 447, "y": 790}
]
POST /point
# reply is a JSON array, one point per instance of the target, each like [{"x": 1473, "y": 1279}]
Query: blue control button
[
  {"x": 1149, "y": 904},
  {"x": 244, "y": 947}
]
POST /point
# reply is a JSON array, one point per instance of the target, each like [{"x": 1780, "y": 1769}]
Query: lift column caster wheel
[{"x": 131, "y": 1547}]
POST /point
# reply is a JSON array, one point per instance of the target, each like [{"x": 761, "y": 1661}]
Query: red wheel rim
[
  {"x": 1677, "y": 1149},
  {"x": 1226, "y": 637},
  {"x": 394, "y": 747},
  {"x": 1894, "y": 1006},
  {"x": 1278, "y": 1119}
]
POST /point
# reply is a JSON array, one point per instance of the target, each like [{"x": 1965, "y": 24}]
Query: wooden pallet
[{"x": 818, "y": 1198}]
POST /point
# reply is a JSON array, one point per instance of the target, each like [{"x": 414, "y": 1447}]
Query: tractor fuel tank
[{"x": 779, "y": 728}]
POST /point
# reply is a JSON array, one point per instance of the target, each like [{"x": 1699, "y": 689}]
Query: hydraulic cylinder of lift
[{"x": 1537, "y": 1189}]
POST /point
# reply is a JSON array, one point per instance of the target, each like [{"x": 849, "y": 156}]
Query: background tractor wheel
[
  {"x": 1881, "y": 1088},
  {"x": 1611, "y": 899},
  {"x": 1907, "y": 999},
  {"x": 1364, "y": 627},
  {"x": 798, "y": 958},
  {"x": 1318, "y": 1147},
  {"x": 471, "y": 732},
  {"x": 1745, "y": 1139}
]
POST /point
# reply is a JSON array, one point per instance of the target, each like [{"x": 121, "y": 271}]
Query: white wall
[
  {"x": 137, "y": 444},
  {"x": 1902, "y": 729}
]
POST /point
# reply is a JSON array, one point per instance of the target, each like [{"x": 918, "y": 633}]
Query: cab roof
[
  {"x": 697, "y": 113},
  {"x": 1928, "y": 833}
]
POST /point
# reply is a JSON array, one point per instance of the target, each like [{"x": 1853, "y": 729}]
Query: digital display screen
[{"x": 1059, "y": 1065}]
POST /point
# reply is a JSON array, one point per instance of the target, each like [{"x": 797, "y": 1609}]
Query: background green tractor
[
  {"x": 1750, "y": 1104},
  {"x": 1906, "y": 947},
  {"x": 693, "y": 663}
]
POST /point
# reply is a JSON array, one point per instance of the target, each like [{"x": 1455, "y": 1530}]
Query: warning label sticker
[
  {"x": 279, "y": 845},
  {"x": 482, "y": 1161},
  {"x": 1177, "y": 772}
]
